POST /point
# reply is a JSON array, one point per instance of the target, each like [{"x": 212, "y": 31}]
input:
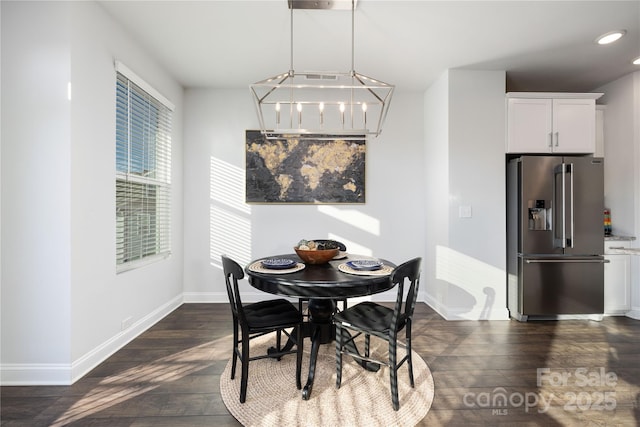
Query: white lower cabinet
[{"x": 617, "y": 279}]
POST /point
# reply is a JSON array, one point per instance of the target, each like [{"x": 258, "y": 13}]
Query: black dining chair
[
  {"x": 257, "y": 319},
  {"x": 343, "y": 248},
  {"x": 370, "y": 318}
]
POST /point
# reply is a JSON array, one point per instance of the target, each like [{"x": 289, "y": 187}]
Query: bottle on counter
[{"x": 607, "y": 222}]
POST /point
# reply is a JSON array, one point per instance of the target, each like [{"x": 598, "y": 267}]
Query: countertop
[
  {"x": 622, "y": 249},
  {"x": 615, "y": 237}
]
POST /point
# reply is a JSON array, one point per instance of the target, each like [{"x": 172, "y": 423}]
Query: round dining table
[{"x": 322, "y": 285}]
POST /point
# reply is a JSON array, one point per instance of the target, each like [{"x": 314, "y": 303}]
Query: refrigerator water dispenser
[{"x": 539, "y": 214}]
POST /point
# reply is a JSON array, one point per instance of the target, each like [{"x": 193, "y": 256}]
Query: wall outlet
[
  {"x": 126, "y": 323},
  {"x": 464, "y": 211}
]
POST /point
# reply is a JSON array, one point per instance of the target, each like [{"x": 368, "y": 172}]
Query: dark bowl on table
[{"x": 316, "y": 256}]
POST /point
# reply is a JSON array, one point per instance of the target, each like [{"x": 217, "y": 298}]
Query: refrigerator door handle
[
  {"x": 574, "y": 261},
  {"x": 560, "y": 241},
  {"x": 569, "y": 169}
]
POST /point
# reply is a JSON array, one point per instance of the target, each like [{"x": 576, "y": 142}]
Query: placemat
[{"x": 341, "y": 255}]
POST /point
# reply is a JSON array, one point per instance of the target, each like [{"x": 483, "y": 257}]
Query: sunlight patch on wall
[
  {"x": 352, "y": 247},
  {"x": 229, "y": 215},
  {"x": 352, "y": 217},
  {"x": 230, "y": 234},
  {"x": 471, "y": 276},
  {"x": 227, "y": 185}
]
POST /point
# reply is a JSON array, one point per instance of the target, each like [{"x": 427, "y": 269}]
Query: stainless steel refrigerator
[{"x": 555, "y": 237}]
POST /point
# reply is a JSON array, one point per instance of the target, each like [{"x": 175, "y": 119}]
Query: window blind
[{"x": 143, "y": 175}]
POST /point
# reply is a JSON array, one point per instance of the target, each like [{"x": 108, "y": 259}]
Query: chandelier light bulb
[
  {"x": 342, "y": 113},
  {"x": 321, "y": 108},
  {"x": 364, "y": 113},
  {"x": 277, "y": 113},
  {"x": 299, "y": 107}
]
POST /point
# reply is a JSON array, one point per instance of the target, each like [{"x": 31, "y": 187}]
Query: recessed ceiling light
[
  {"x": 636, "y": 61},
  {"x": 610, "y": 37}
]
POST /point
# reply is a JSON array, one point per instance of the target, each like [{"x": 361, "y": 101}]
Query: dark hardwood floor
[{"x": 485, "y": 372}]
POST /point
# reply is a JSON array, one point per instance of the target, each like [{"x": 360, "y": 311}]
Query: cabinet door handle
[
  {"x": 557, "y": 139},
  {"x": 550, "y": 139}
]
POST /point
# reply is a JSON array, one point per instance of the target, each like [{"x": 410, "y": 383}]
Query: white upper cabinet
[
  {"x": 529, "y": 125},
  {"x": 551, "y": 122}
]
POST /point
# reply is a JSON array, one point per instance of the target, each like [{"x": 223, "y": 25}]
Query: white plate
[
  {"x": 385, "y": 270},
  {"x": 365, "y": 264},
  {"x": 278, "y": 263},
  {"x": 259, "y": 268}
]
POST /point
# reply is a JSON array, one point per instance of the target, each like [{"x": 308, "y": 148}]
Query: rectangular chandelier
[
  {"x": 303, "y": 104},
  {"x": 321, "y": 103}
]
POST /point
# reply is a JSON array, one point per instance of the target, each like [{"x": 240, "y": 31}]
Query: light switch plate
[{"x": 464, "y": 211}]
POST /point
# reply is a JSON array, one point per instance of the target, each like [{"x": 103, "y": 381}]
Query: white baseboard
[
  {"x": 249, "y": 297},
  {"x": 25, "y": 374},
  {"x": 463, "y": 313},
  {"x": 67, "y": 374},
  {"x": 634, "y": 313},
  {"x": 222, "y": 298},
  {"x": 434, "y": 304},
  {"x": 206, "y": 297},
  {"x": 92, "y": 359}
]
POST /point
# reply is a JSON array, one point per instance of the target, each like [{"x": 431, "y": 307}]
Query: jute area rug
[{"x": 364, "y": 398}]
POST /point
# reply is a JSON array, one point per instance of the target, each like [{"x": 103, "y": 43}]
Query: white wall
[
  {"x": 217, "y": 220},
  {"x": 620, "y": 154},
  {"x": 622, "y": 166},
  {"x": 467, "y": 254},
  {"x": 436, "y": 189},
  {"x": 36, "y": 196},
  {"x": 62, "y": 302}
]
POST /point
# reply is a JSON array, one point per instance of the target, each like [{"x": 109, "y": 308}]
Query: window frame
[{"x": 142, "y": 172}]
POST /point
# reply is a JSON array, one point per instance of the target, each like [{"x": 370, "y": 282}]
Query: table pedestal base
[{"x": 321, "y": 331}]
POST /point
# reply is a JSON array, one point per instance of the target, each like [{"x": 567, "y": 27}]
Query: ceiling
[{"x": 543, "y": 46}]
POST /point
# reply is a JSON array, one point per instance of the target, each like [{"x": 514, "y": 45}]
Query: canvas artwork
[{"x": 315, "y": 171}]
